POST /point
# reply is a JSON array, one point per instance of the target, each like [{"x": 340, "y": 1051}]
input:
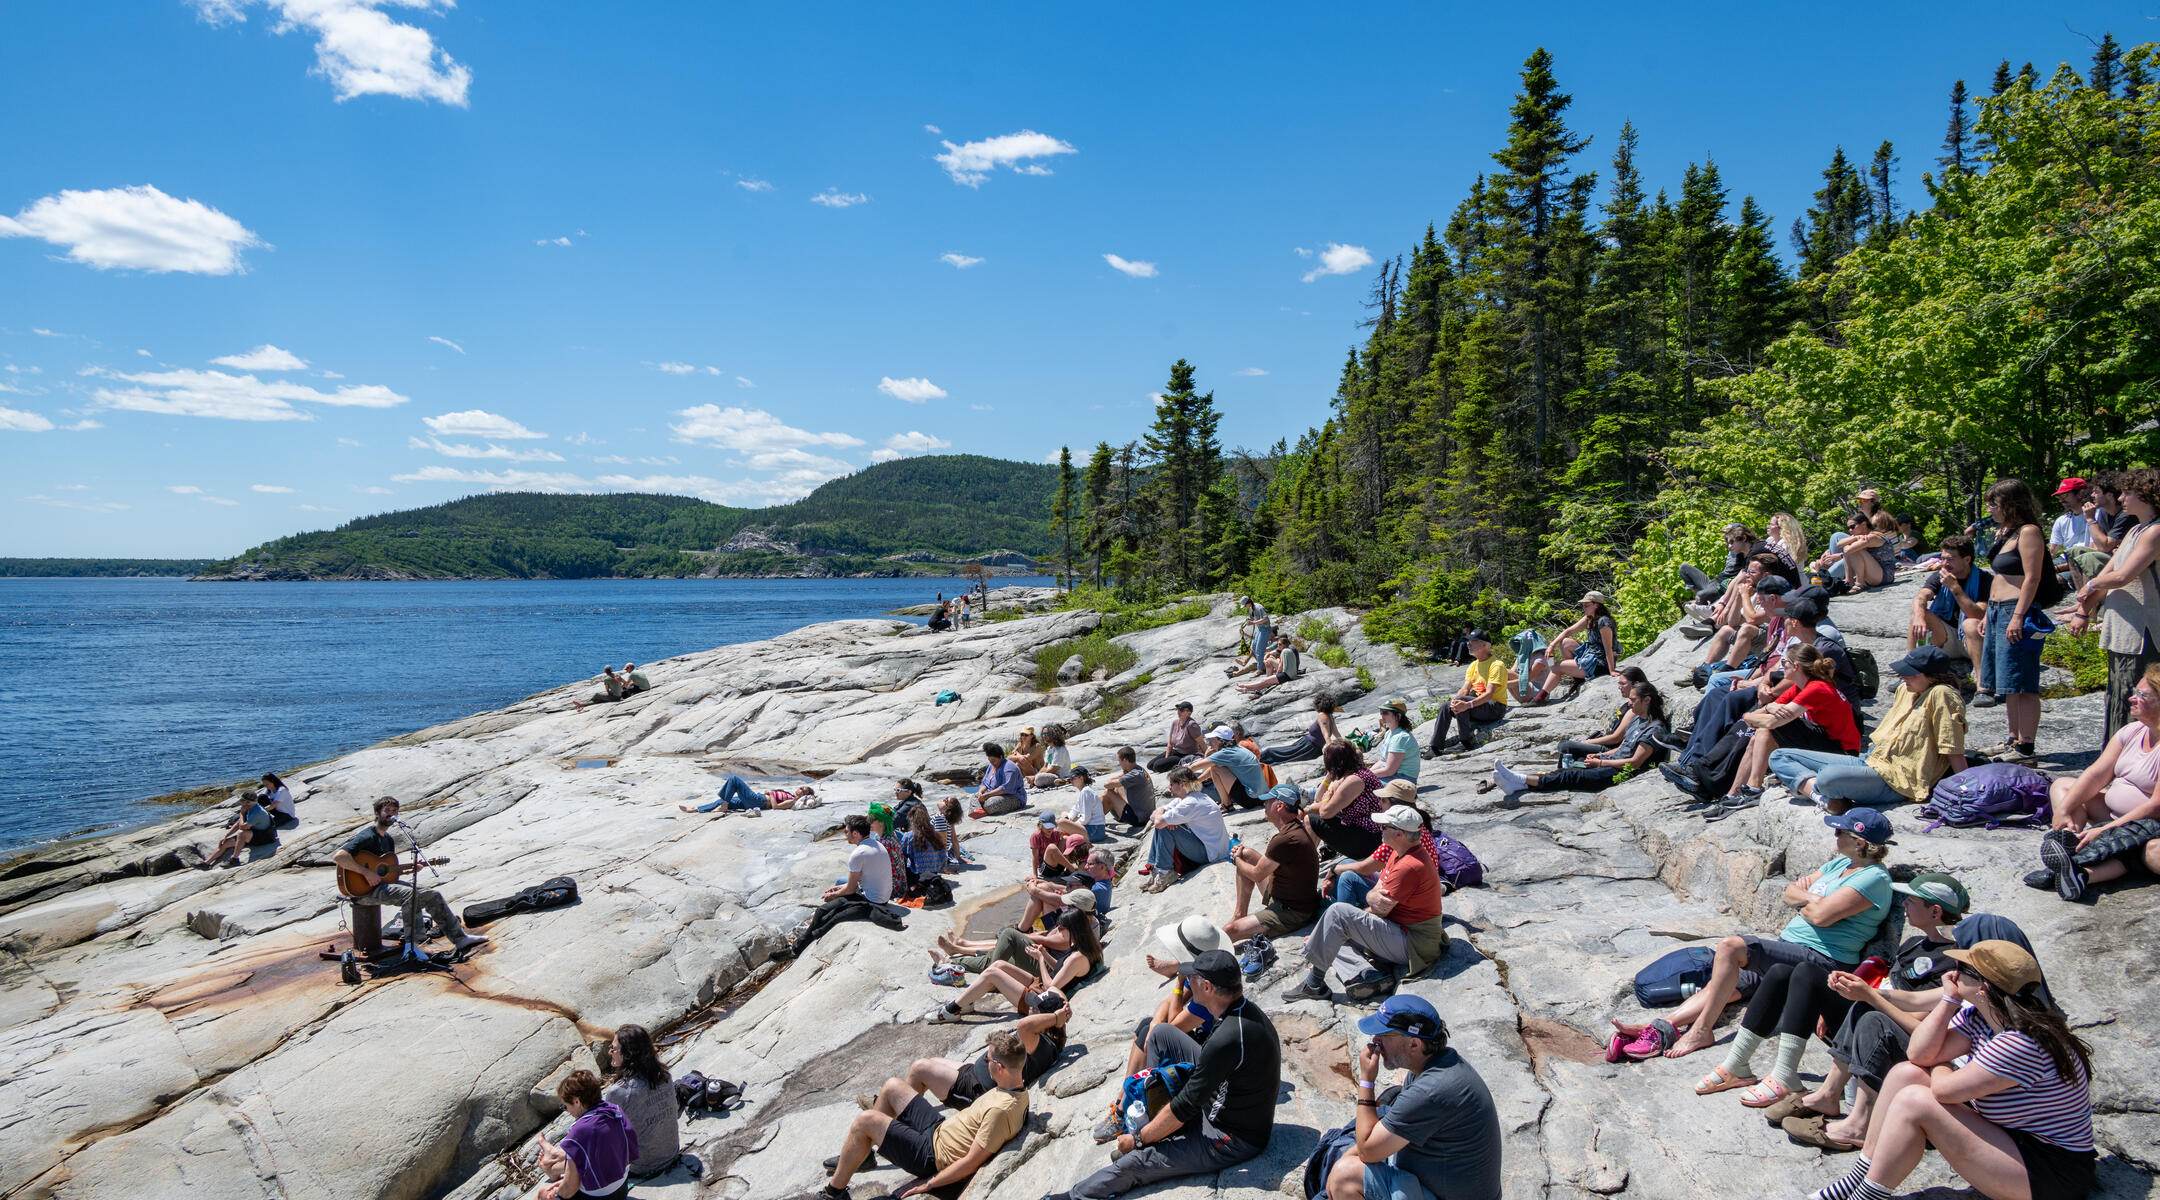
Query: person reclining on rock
[
  {"x": 1073, "y": 924},
  {"x": 957, "y": 1084},
  {"x": 1224, "y": 1112},
  {"x": 253, "y": 826},
  {"x": 1317, "y": 737},
  {"x": 1048, "y": 892},
  {"x": 1284, "y": 663},
  {"x": 1482, "y": 698},
  {"x": 1646, "y": 721},
  {"x": 1185, "y": 740},
  {"x": 942, "y": 1153},
  {"x": 394, "y": 892},
  {"x": 1399, "y": 929},
  {"x": 593, "y": 1160},
  {"x": 2014, "y": 1120},
  {"x": 1341, "y": 815},
  {"x": 1129, "y": 795},
  {"x": 1230, "y": 774},
  {"x": 1841, "y": 904},
  {"x": 1190, "y": 826},
  {"x": 1003, "y": 790},
  {"x": 1286, "y": 877},
  {"x": 736, "y": 795},
  {"x": 1441, "y": 1136},
  {"x": 639, "y": 1085},
  {"x": 1921, "y": 740},
  {"x": 1053, "y": 970}
]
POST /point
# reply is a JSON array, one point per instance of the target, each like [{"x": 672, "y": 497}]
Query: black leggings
[
  {"x": 1576, "y": 779},
  {"x": 1483, "y": 714},
  {"x": 1790, "y": 999},
  {"x": 1306, "y": 746},
  {"x": 1579, "y": 748},
  {"x": 1353, "y": 842}
]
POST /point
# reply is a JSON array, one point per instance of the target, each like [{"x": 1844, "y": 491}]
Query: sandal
[
  {"x": 1793, "y": 1105},
  {"x": 1721, "y": 1080},
  {"x": 1809, "y": 1131},
  {"x": 1765, "y": 1094},
  {"x": 1486, "y": 785}
]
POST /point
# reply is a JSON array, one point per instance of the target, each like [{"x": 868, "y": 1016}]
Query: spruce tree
[
  {"x": 2106, "y": 66},
  {"x": 1882, "y": 208},
  {"x": 1102, "y": 521},
  {"x": 1754, "y": 295},
  {"x": 1698, "y": 246},
  {"x": 1954, "y": 137},
  {"x": 1065, "y": 513}
]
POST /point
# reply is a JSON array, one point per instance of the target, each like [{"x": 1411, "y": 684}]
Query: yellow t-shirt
[
  {"x": 994, "y": 1119},
  {"x": 1488, "y": 680}
]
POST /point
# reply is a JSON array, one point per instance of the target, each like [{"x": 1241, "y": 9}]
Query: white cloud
[
  {"x": 474, "y": 422},
  {"x": 144, "y": 353},
  {"x": 263, "y": 358},
  {"x": 1338, "y": 259},
  {"x": 361, "y": 51},
  {"x": 316, "y": 508},
  {"x": 790, "y": 459},
  {"x": 85, "y": 424},
  {"x": 12, "y": 369},
  {"x": 1138, "y": 270},
  {"x": 329, "y": 375},
  {"x": 71, "y": 487},
  {"x": 753, "y": 185},
  {"x": 184, "y": 489},
  {"x": 676, "y": 368},
  {"x": 491, "y": 450},
  {"x": 377, "y": 491},
  {"x": 616, "y": 459},
  {"x": 913, "y": 442},
  {"x": 553, "y": 241},
  {"x": 136, "y": 229},
  {"x": 885, "y": 456},
  {"x": 446, "y": 342},
  {"x": 47, "y": 332},
  {"x": 100, "y": 506},
  {"x": 1302, "y": 252},
  {"x": 713, "y": 371},
  {"x": 1250, "y": 371},
  {"x": 912, "y": 390},
  {"x": 584, "y": 439},
  {"x": 741, "y": 382},
  {"x": 980, "y": 407},
  {"x": 220, "y": 500},
  {"x": 835, "y": 198},
  {"x": 346, "y": 441},
  {"x": 932, "y": 129},
  {"x": 23, "y": 422},
  {"x": 750, "y": 430},
  {"x": 188, "y": 393},
  {"x": 788, "y": 486},
  {"x": 270, "y": 489},
  {"x": 971, "y": 163},
  {"x": 962, "y": 261}
]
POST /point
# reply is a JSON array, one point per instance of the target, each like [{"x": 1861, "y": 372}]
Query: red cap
[{"x": 2073, "y": 484}]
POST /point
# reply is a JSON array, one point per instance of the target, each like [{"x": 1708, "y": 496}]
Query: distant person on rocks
[
  {"x": 254, "y": 826},
  {"x": 942, "y": 1153},
  {"x": 1921, "y": 740},
  {"x": 1185, "y": 740},
  {"x": 640, "y": 1086},
  {"x": 1002, "y": 790},
  {"x": 1646, "y": 721},
  {"x": 1224, "y": 1113},
  {"x": 1482, "y": 698},
  {"x": 1440, "y": 1140},
  {"x": 1027, "y": 752},
  {"x": 1261, "y": 629},
  {"x": 611, "y": 689},
  {"x": 736, "y": 795},
  {"x": 1041, "y": 1033},
  {"x": 967, "y": 613},
  {"x": 1341, "y": 815},
  {"x": 2125, "y": 591},
  {"x": 634, "y": 680},
  {"x": 1397, "y": 755},
  {"x": 278, "y": 798},
  {"x": 1129, "y": 795},
  {"x": 956, "y": 855},
  {"x": 869, "y": 867},
  {"x": 1230, "y": 774},
  {"x": 1588, "y": 648},
  {"x": 2107, "y": 818},
  {"x": 1285, "y": 877},
  {"x": 1189, "y": 824},
  {"x": 1048, "y": 892},
  {"x": 1316, "y": 737},
  {"x": 941, "y": 620},
  {"x": 1284, "y": 663},
  {"x": 2017, "y": 620},
  {"x": 1057, "y": 758},
  {"x": 594, "y": 1157},
  {"x": 1052, "y": 850},
  {"x": 1399, "y": 929},
  {"x": 395, "y": 893}
]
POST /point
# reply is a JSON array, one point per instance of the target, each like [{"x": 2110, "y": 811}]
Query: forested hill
[
  {"x": 98, "y": 568},
  {"x": 942, "y": 507}
]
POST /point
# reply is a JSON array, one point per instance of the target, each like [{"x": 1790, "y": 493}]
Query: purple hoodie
[{"x": 601, "y": 1143}]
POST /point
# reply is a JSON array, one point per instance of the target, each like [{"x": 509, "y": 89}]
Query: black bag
[
  {"x": 1867, "y": 678},
  {"x": 555, "y": 893},
  {"x": 695, "y": 1093},
  {"x": 934, "y": 891}
]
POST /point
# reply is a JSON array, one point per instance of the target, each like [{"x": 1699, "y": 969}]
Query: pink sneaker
[
  {"x": 1615, "y": 1052},
  {"x": 1655, "y": 1039},
  {"x": 1145, "y": 869}
]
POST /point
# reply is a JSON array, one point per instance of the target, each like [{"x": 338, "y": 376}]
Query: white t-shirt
[
  {"x": 869, "y": 858},
  {"x": 1087, "y": 807},
  {"x": 281, "y": 802},
  {"x": 2070, "y": 530},
  {"x": 1201, "y": 815},
  {"x": 1059, "y": 761}
]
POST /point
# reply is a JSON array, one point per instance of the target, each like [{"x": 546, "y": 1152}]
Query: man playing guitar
[{"x": 383, "y": 879}]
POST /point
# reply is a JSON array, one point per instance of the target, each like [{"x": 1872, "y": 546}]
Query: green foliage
[
  {"x": 1121, "y": 615},
  {"x": 98, "y": 568},
  {"x": 1095, "y": 650},
  {"x": 2081, "y": 656},
  {"x": 1365, "y": 679}
]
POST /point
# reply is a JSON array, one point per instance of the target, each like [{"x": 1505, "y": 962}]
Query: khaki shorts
[{"x": 1278, "y": 920}]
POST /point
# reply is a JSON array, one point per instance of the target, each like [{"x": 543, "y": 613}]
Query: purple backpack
[
  {"x": 1993, "y": 795},
  {"x": 1458, "y": 867}
]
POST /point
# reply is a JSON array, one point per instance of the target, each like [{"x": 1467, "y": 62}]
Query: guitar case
[{"x": 555, "y": 893}]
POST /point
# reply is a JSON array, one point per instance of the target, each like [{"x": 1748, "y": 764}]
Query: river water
[{"x": 116, "y": 689}]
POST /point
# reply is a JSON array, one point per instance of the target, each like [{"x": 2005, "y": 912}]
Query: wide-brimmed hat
[
  {"x": 1080, "y": 898},
  {"x": 1190, "y": 938},
  {"x": 1599, "y": 597},
  {"x": 2007, "y": 965}
]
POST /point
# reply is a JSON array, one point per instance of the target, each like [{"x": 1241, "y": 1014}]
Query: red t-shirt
[
  {"x": 1828, "y": 710},
  {"x": 1415, "y": 884}
]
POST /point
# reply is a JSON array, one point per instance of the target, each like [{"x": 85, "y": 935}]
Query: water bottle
[
  {"x": 1874, "y": 970},
  {"x": 1688, "y": 988}
]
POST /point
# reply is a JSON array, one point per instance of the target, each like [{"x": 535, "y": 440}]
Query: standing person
[
  {"x": 1002, "y": 790},
  {"x": 1130, "y": 794},
  {"x": 1230, "y": 774},
  {"x": 1399, "y": 929},
  {"x": 252, "y": 827},
  {"x": 595, "y": 1155},
  {"x": 942, "y": 1153},
  {"x": 1191, "y": 826},
  {"x": 1441, "y": 1137},
  {"x": 1224, "y": 1113},
  {"x": 1261, "y": 628},
  {"x": 640, "y": 1086},
  {"x": 278, "y": 798},
  {"x": 1398, "y": 749},
  {"x": 1341, "y": 815},
  {"x": 869, "y": 867},
  {"x": 388, "y": 888},
  {"x": 1184, "y": 742},
  {"x": 1482, "y": 698},
  {"x": 1310, "y": 743},
  {"x": 2017, "y": 619},
  {"x": 2127, "y": 594},
  {"x": 1286, "y": 877}
]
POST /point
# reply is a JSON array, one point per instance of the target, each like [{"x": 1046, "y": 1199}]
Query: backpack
[
  {"x": 1674, "y": 977},
  {"x": 934, "y": 891},
  {"x": 1458, "y": 867},
  {"x": 1333, "y": 1145},
  {"x": 1993, "y": 795},
  {"x": 1147, "y": 1090},
  {"x": 695, "y": 1093}
]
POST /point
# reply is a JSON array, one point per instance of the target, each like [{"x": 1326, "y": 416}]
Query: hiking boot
[
  {"x": 1681, "y": 777},
  {"x": 2020, "y": 753},
  {"x": 1374, "y": 984},
  {"x": 2040, "y": 880},
  {"x": 1984, "y": 700},
  {"x": 1307, "y": 989},
  {"x": 1107, "y": 1130},
  {"x": 1259, "y": 955},
  {"x": 2056, "y": 848}
]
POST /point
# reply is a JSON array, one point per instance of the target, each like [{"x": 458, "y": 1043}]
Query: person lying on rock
[
  {"x": 252, "y": 826},
  {"x": 736, "y": 795},
  {"x": 1129, "y": 795},
  {"x": 2014, "y": 1120},
  {"x": 639, "y": 1084},
  {"x": 1286, "y": 877},
  {"x": 2107, "y": 819},
  {"x": 1073, "y": 927},
  {"x": 1224, "y": 1112},
  {"x": 1048, "y": 892},
  {"x": 942, "y": 1153},
  {"x": 1441, "y": 1136},
  {"x": 1189, "y": 825},
  {"x": 957, "y": 1084},
  {"x": 1318, "y": 736},
  {"x": 1399, "y": 929},
  {"x": 1646, "y": 721},
  {"x": 593, "y": 1159},
  {"x": 1482, "y": 698},
  {"x": 1053, "y": 971},
  {"x": 1003, "y": 790},
  {"x": 392, "y": 891},
  {"x": 1184, "y": 742},
  {"x": 1841, "y": 904},
  {"x": 1230, "y": 774},
  {"x": 1341, "y": 814},
  {"x": 1921, "y": 740},
  {"x": 1179, "y": 943},
  {"x": 1349, "y": 882},
  {"x": 1057, "y": 764},
  {"x": 1085, "y": 817}
]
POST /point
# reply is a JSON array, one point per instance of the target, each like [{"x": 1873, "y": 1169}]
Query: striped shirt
[{"x": 2041, "y": 1104}]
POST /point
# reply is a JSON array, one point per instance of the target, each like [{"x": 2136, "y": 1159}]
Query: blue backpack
[
  {"x": 1994, "y": 795},
  {"x": 1147, "y": 1090}
]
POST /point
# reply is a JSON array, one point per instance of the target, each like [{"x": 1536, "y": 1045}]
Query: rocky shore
[{"x": 168, "y": 1031}]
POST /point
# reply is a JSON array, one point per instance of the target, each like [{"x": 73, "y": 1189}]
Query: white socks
[
  {"x": 1509, "y": 781},
  {"x": 1744, "y": 1044},
  {"x": 1786, "y": 1071}
]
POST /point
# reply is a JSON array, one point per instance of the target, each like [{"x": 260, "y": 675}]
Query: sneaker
[
  {"x": 2040, "y": 880},
  {"x": 2016, "y": 752},
  {"x": 978, "y": 813},
  {"x": 1306, "y": 989},
  {"x": 1696, "y": 633},
  {"x": 948, "y": 974},
  {"x": 1374, "y": 984},
  {"x": 1984, "y": 700},
  {"x": 947, "y": 1011},
  {"x": 1159, "y": 882},
  {"x": 1681, "y": 777},
  {"x": 869, "y": 1161},
  {"x": 1259, "y": 955},
  {"x": 1733, "y": 804},
  {"x": 1700, "y": 611},
  {"x": 829, "y": 1192},
  {"x": 1107, "y": 1130},
  {"x": 1686, "y": 681},
  {"x": 2056, "y": 848}
]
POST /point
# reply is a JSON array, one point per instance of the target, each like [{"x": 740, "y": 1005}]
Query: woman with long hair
[
  {"x": 278, "y": 798},
  {"x": 1646, "y": 719},
  {"x": 1921, "y": 740},
  {"x": 1342, "y": 814},
  {"x": 1810, "y": 714},
  {"x": 1788, "y": 541},
  {"x": 1060, "y": 971},
  {"x": 1317, "y": 737},
  {"x": 639, "y": 1085},
  {"x": 2017, "y": 616},
  {"x": 1586, "y": 649},
  {"x": 2015, "y": 1121},
  {"x": 2126, "y": 593}
]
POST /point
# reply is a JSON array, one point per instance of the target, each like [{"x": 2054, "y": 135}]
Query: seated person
[
  {"x": 634, "y": 680},
  {"x": 594, "y": 1157},
  {"x": 1646, "y": 720},
  {"x": 253, "y": 826},
  {"x": 1230, "y": 774},
  {"x": 394, "y": 892},
  {"x": 1056, "y": 758},
  {"x": 1810, "y": 714},
  {"x": 1286, "y": 876},
  {"x": 1853, "y": 559},
  {"x": 1399, "y": 929},
  {"x": 1073, "y": 925},
  {"x": 1740, "y": 545},
  {"x": 2105, "y": 818},
  {"x": 942, "y": 1153},
  {"x": 1244, "y": 741},
  {"x": 1628, "y": 679},
  {"x": 955, "y": 854},
  {"x": 1397, "y": 755},
  {"x": 1341, "y": 814},
  {"x": 1310, "y": 743},
  {"x": 2014, "y": 1120},
  {"x": 1283, "y": 665},
  {"x": 639, "y": 1085},
  {"x": 1920, "y": 741},
  {"x": 1027, "y": 752},
  {"x": 736, "y": 795},
  {"x": 1003, "y": 790},
  {"x": 1741, "y": 599},
  {"x": 1129, "y": 795},
  {"x": 1841, "y": 904},
  {"x": 923, "y": 853},
  {"x": 1349, "y": 882},
  {"x": 1085, "y": 817},
  {"x": 1052, "y": 850},
  {"x": 1189, "y": 825},
  {"x": 1950, "y": 609},
  {"x": 1441, "y": 1136},
  {"x": 278, "y": 798},
  {"x": 611, "y": 688},
  {"x": 1179, "y": 943},
  {"x": 1759, "y": 604},
  {"x": 1482, "y": 698},
  {"x": 1224, "y": 1112},
  {"x": 1185, "y": 740},
  {"x": 957, "y": 1084},
  {"x": 1586, "y": 649},
  {"x": 1052, "y": 971},
  {"x": 870, "y": 872},
  {"x": 1048, "y": 892}
]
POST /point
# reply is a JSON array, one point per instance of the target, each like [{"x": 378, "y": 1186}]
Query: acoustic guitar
[{"x": 379, "y": 869}]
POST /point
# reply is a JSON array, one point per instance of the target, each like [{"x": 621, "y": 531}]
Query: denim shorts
[{"x": 2013, "y": 667}]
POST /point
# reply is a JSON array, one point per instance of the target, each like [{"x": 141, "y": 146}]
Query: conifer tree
[
  {"x": 1956, "y": 135},
  {"x": 1066, "y": 516},
  {"x": 2002, "y": 79},
  {"x": 2106, "y": 66},
  {"x": 1754, "y": 295},
  {"x": 1882, "y": 208},
  {"x": 1101, "y": 522}
]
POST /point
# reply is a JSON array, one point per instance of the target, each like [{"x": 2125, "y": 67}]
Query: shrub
[
  {"x": 2081, "y": 656},
  {"x": 1095, "y": 650}
]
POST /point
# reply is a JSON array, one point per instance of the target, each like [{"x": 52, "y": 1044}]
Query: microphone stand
[{"x": 411, "y": 951}]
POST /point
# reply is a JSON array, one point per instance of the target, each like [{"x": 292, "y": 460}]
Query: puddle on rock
[
  {"x": 587, "y": 764},
  {"x": 984, "y": 916}
]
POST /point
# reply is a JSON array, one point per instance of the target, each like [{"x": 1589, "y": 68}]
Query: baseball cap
[
  {"x": 2007, "y": 965},
  {"x": 1397, "y": 705},
  {"x": 1805, "y": 610},
  {"x": 1223, "y": 733},
  {"x": 1403, "y": 817},
  {"x": 1772, "y": 585},
  {"x": 1190, "y": 938},
  {"x": 1184, "y": 706},
  {"x": 1217, "y": 967},
  {"x": 1477, "y": 635},
  {"x": 1943, "y": 891},
  {"x": 1922, "y": 660},
  {"x": 1047, "y": 1001},
  {"x": 1080, "y": 898},
  {"x": 1045, "y": 817},
  {"x": 2076, "y": 483},
  {"x": 1865, "y": 823},
  {"x": 1809, "y": 591},
  {"x": 1404, "y": 1013}
]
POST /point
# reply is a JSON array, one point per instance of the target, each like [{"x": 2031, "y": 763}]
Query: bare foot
[
  {"x": 1824, "y": 1102},
  {"x": 1630, "y": 1030},
  {"x": 686, "y": 808},
  {"x": 1696, "y": 1038},
  {"x": 1842, "y": 1131}
]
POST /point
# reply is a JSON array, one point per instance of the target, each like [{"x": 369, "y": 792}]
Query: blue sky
[{"x": 710, "y": 251}]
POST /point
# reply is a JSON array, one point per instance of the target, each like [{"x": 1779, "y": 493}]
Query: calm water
[{"x": 115, "y": 689}]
